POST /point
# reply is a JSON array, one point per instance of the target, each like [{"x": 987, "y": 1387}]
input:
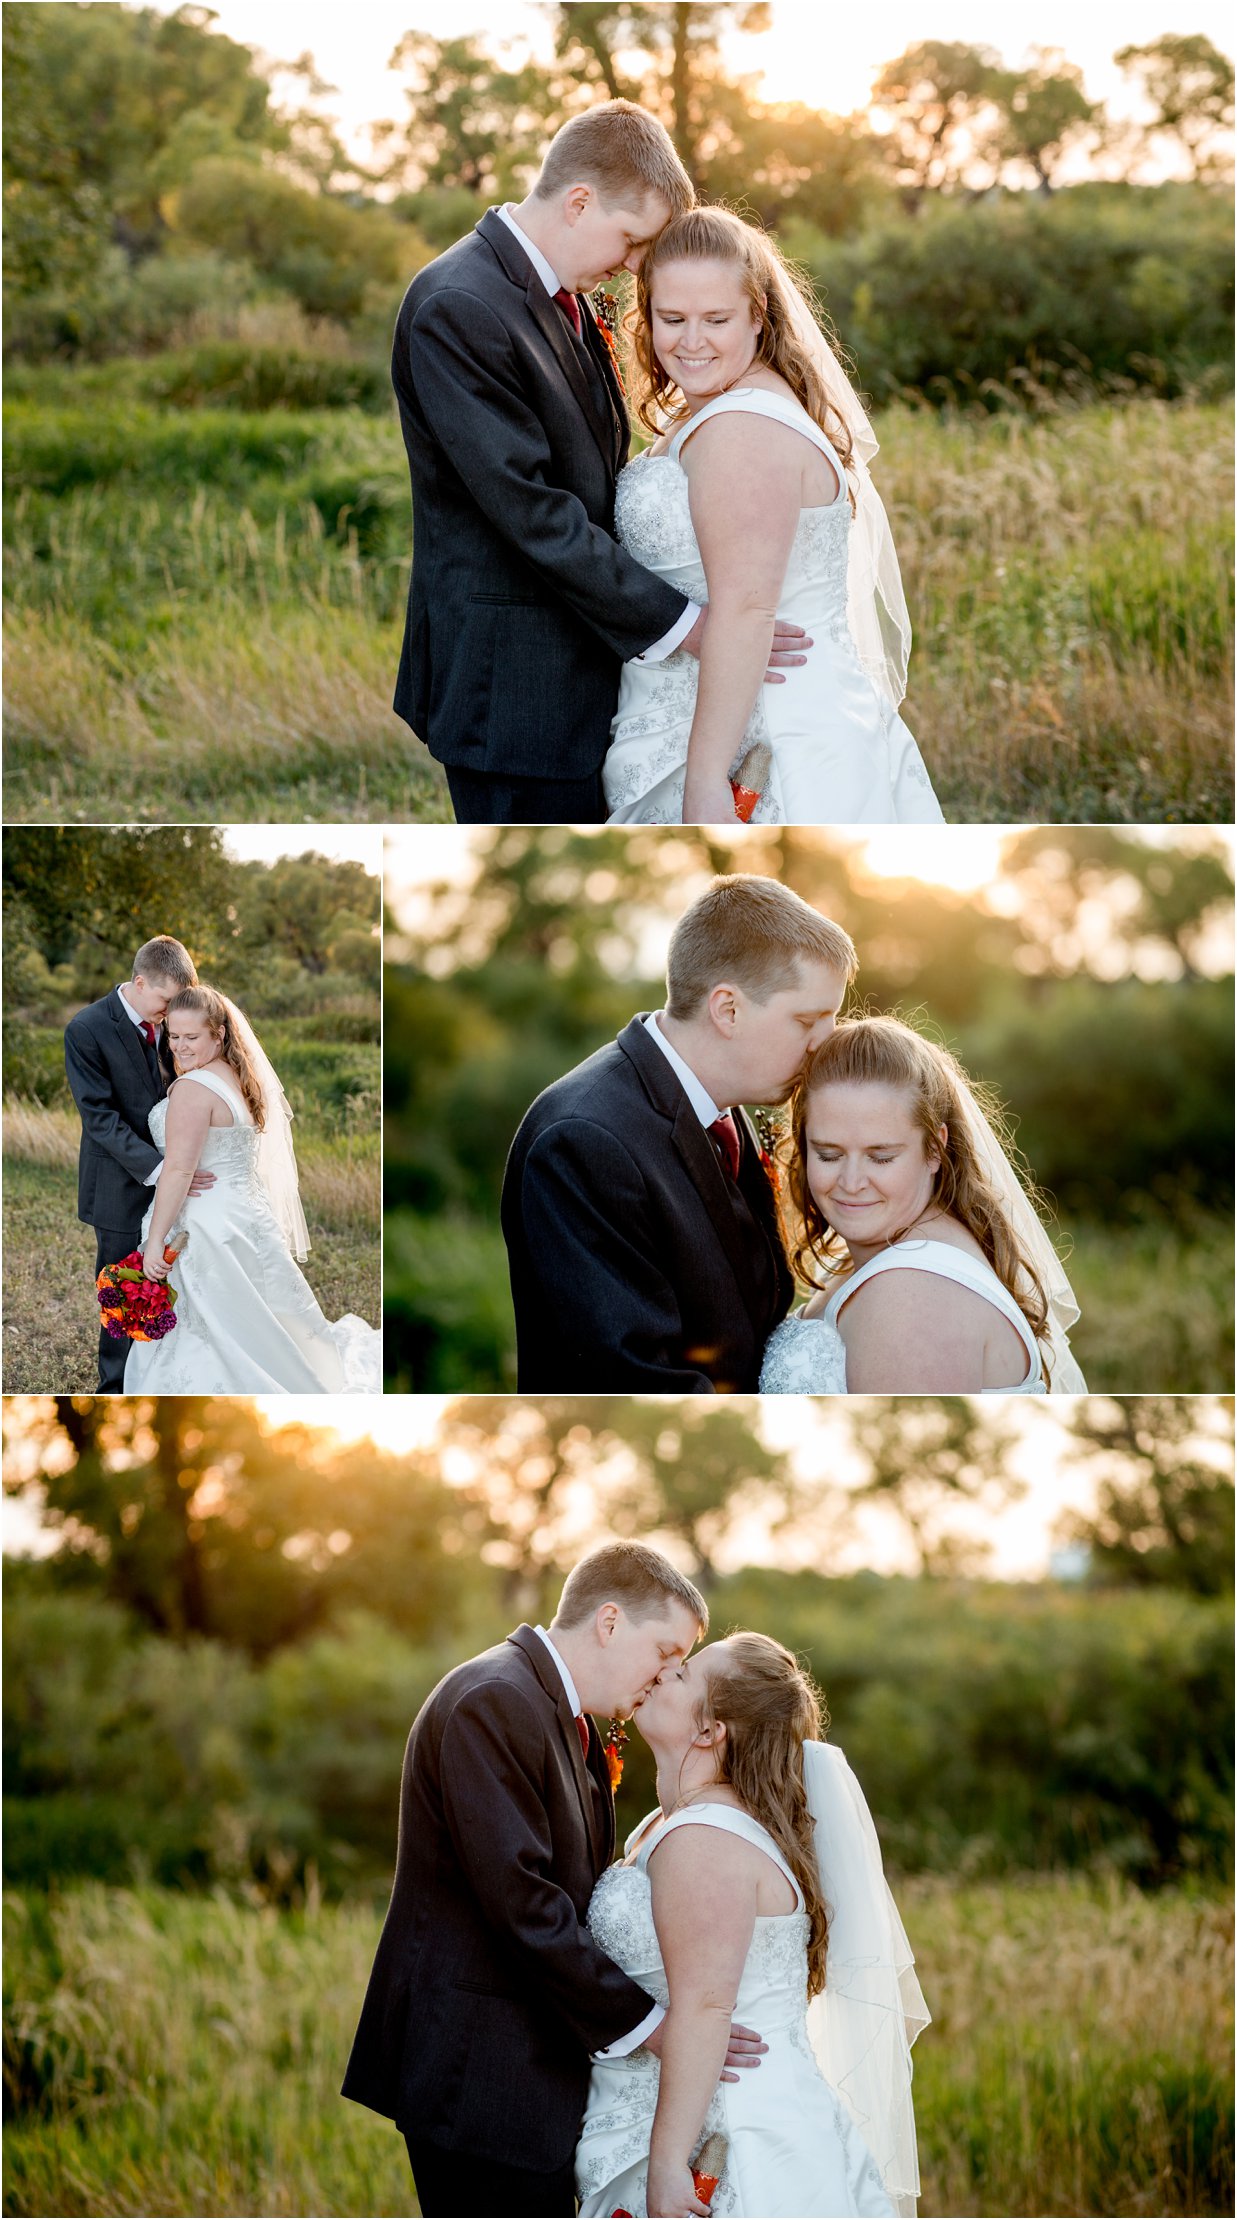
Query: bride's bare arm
[
  {"x": 705, "y": 1885},
  {"x": 746, "y": 480},
  {"x": 188, "y": 1122},
  {"x": 910, "y": 1333}
]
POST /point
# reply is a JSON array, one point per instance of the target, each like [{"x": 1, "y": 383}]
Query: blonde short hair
[
  {"x": 754, "y": 933},
  {"x": 622, "y": 150},
  {"x": 631, "y": 1574}
]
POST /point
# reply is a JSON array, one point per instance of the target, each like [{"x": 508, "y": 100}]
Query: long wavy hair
[
  {"x": 883, "y": 1051},
  {"x": 770, "y": 1707},
  {"x": 210, "y": 1004},
  {"x": 718, "y": 235}
]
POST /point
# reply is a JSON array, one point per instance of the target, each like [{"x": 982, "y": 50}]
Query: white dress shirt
[
  {"x": 702, "y": 1102},
  {"x": 553, "y": 284},
  {"x": 624, "y": 2043},
  {"x": 135, "y": 1018}
]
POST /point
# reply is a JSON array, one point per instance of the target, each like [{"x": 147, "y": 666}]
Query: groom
[
  {"x": 488, "y": 1992},
  {"x": 522, "y": 605},
  {"x": 118, "y": 1066},
  {"x": 640, "y": 1219}
]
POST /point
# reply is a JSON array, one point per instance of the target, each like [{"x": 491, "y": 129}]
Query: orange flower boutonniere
[
  {"x": 614, "y": 1746},
  {"x": 605, "y": 312}
]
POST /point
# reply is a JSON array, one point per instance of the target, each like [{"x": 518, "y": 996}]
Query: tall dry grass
[
  {"x": 180, "y": 2055},
  {"x": 185, "y": 591}
]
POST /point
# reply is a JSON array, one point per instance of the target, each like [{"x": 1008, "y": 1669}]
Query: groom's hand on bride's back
[
  {"x": 744, "y": 2048},
  {"x": 787, "y": 653},
  {"x": 200, "y": 1182}
]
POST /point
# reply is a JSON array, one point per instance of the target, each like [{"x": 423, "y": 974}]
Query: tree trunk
[{"x": 680, "y": 88}]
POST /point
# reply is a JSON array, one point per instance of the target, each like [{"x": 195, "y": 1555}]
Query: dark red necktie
[
  {"x": 148, "y": 1033},
  {"x": 725, "y": 1134},
  {"x": 582, "y": 1730},
  {"x": 571, "y": 309}
]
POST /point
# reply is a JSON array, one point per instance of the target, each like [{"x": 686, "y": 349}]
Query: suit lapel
[
  {"x": 130, "y": 1037},
  {"x": 527, "y": 1639},
  {"x": 697, "y": 1154},
  {"x": 553, "y": 326},
  {"x": 618, "y": 400}
]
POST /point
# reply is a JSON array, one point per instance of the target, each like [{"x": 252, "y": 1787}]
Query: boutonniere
[
  {"x": 605, "y": 314},
  {"x": 770, "y": 1133},
  {"x": 613, "y": 1747}
]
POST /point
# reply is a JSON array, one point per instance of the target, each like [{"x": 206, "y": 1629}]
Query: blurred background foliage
[
  {"x": 1089, "y": 983},
  {"x": 210, "y": 1674},
  {"x": 200, "y": 283},
  {"x": 295, "y": 942},
  {"x": 211, "y": 1667}
]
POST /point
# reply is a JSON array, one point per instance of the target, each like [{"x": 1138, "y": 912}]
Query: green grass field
[
  {"x": 51, "y": 1319},
  {"x": 217, "y": 596},
  {"x": 173, "y": 2054}
]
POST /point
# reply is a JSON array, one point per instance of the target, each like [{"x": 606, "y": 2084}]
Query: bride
[
  {"x": 940, "y": 1276},
  {"x": 755, "y": 1890},
  {"x": 755, "y": 498},
  {"x": 246, "y": 1318}
]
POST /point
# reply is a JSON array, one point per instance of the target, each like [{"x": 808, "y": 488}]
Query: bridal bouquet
[{"x": 135, "y": 1308}]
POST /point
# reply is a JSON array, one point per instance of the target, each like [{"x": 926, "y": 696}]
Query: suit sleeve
[
  {"x": 585, "y": 1216},
  {"x": 91, "y": 1087},
  {"x": 492, "y": 1752},
  {"x": 467, "y": 381}
]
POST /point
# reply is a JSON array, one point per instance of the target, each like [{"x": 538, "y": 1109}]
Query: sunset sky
[
  {"x": 811, "y": 1428},
  {"x": 825, "y": 56}
]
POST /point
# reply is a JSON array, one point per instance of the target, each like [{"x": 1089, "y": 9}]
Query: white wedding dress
[
  {"x": 807, "y": 1356},
  {"x": 247, "y": 1322},
  {"x": 841, "y": 753},
  {"x": 794, "y": 2148}
]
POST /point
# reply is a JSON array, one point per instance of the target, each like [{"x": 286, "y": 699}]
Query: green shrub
[
  {"x": 230, "y": 374},
  {"x": 34, "y": 1061},
  {"x": 1016, "y": 296}
]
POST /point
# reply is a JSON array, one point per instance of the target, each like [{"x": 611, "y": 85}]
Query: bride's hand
[
  {"x": 153, "y": 1266},
  {"x": 708, "y": 800},
  {"x": 671, "y": 2191}
]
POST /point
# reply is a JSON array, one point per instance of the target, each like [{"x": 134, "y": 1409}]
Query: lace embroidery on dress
[{"x": 804, "y": 1356}]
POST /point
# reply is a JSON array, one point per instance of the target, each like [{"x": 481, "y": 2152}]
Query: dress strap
[
  {"x": 726, "y": 1820},
  {"x": 220, "y": 1087},
  {"x": 945, "y": 1263},
  {"x": 753, "y": 401}
]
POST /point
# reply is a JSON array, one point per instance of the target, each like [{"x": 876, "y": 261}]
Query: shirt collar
[
  {"x": 549, "y": 277},
  {"x": 702, "y": 1103},
  {"x": 563, "y": 1674},
  {"x": 134, "y": 1016}
]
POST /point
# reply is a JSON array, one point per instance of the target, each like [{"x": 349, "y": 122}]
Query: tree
[
  {"x": 927, "y": 1457},
  {"x": 473, "y": 126},
  {"x": 1189, "y": 84},
  {"x": 1164, "y": 1491},
  {"x": 201, "y": 1518},
  {"x": 1044, "y": 113},
  {"x": 1095, "y": 896},
  {"x": 941, "y": 97}
]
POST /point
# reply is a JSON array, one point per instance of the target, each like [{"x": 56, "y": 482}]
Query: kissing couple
[
  {"x": 714, "y": 631},
  {"x": 654, "y": 1243},
  {"x": 545, "y": 2025},
  {"x": 186, "y": 1156}
]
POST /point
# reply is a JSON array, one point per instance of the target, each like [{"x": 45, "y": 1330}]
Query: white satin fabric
[
  {"x": 807, "y": 1356},
  {"x": 247, "y": 1321},
  {"x": 841, "y": 753},
  {"x": 794, "y": 2148}
]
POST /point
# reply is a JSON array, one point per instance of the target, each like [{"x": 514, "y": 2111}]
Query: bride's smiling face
[
  {"x": 705, "y": 327},
  {"x": 869, "y": 1164},
  {"x": 192, "y": 1041}
]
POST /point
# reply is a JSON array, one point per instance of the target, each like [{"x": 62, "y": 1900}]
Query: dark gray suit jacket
[
  {"x": 637, "y": 1263},
  {"x": 522, "y": 604},
  {"x": 488, "y": 1992},
  {"x": 115, "y": 1091}
]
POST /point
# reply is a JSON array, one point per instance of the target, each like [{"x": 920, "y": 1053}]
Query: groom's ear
[{"x": 722, "y": 1006}]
